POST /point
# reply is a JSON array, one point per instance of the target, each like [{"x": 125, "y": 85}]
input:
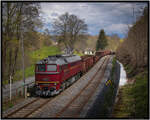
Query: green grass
[
  {"x": 78, "y": 53},
  {"x": 5, "y": 82},
  {"x": 134, "y": 98},
  {"x": 126, "y": 108},
  {"x": 29, "y": 71},
  {"x": 44, "y": 52},
  {"x": 8, "y": 105},
  {"x": 140, "y": 94},
  {"x": 34, "y": 57}
]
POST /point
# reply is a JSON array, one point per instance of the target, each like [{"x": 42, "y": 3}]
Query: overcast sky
[{"x": 113, "y": 17}]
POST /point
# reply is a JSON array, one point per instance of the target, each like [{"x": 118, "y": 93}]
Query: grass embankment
[
  {"x": 35, "y": 56},
  {"x": 133, "y": 98}
]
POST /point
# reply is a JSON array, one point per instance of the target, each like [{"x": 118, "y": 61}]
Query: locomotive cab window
[
  {"x": 51, "y": 67},
  {"x": 41, "y": 68}
]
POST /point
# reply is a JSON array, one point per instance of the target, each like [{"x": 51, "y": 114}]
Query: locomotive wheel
[
  {"x": 79, "y": 74},
  {"x": 63, "y": 86}
]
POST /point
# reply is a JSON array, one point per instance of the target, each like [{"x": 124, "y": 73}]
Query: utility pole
[
  {"x": 23, "y": 70},
  {"x": 10, "y": 87}
]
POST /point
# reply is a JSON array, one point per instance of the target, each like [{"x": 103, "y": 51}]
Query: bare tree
[
  {"x": 69, "y": 28},
  {"x": 133, "y": 50}
]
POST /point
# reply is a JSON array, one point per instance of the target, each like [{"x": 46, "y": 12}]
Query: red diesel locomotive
[{"x": 55, "y": 73}]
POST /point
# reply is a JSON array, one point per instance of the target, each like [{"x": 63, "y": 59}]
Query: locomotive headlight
[
  {"x": 36, "y": 83},
  {"x": 55, "y": 83}
]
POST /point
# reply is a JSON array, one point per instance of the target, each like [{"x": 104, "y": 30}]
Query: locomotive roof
[{"x": 60, "y": 59}]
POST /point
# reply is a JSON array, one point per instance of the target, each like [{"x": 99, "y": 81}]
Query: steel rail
[
  {"x": 64, "y": 108},
  {"x": 37, "y": 108},
  {"x": 31, "y": 111},
  {"x": 10, "y": 114},
  {"x": 90, "y": 95}
]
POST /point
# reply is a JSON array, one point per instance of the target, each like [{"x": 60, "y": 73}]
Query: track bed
[{"x": 70, "y": 102}]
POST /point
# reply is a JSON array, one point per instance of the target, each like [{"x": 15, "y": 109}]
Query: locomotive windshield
[
  {"x": 51, "y": 67},
  {"x": 41, "y": 68}
]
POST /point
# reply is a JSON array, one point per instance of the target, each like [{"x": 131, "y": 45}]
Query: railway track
[
  {"x": 68, "y": 103},
  {"x": 28, "y": 108},
  {"x": 90, "y": 87},
  {"x": 71, "y": 102}
]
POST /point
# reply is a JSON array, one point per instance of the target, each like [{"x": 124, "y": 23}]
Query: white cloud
[
  {"x": 112, "y": 17},
  {"x": 117, "y": 28}
]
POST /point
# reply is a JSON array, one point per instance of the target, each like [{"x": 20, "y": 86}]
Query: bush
[{"x": 140, "y": 95}]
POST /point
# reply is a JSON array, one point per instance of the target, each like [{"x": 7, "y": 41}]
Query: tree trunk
[
  {"x": 14, "y": 65},
  {"x": 10, "y": 62}
]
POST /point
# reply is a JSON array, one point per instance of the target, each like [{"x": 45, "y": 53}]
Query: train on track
[{"x": 55, "y": 73}]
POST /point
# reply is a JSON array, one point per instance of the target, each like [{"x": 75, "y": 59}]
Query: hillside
[{"x": 133, "y": 53}]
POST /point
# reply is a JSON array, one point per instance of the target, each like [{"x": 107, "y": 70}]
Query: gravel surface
[
  {"x": 59, "y": 102},
  {"x": 92, "y": 107},
  {"x": 19, "y": 105},
  {"x": 56, "y": 105},
  {"x": 95, "y": 106}
]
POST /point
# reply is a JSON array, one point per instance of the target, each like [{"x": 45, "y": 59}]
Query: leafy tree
[
  {"x": 68, "y": 29},
  {"x": 102, "y": 41},
  {"x": 113, "y": 42},
  {"x": 16, "y": 16}
]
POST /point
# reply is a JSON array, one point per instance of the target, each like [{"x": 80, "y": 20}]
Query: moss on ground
[{"x": 133, "y": 99}]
